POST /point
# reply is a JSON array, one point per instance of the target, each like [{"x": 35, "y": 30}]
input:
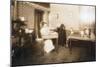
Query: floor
[{"x": 35, "y": 55}]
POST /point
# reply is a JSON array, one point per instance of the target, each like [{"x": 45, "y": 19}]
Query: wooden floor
[{"x": 34, "y": 55}]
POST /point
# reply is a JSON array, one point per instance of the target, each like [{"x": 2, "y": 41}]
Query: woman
[
  {"x": 48, "y": 45},
  {"x": 62, "y": 35}
]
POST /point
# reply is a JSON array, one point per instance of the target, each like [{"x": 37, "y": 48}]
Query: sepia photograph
[{"x": 52, "y": 33}]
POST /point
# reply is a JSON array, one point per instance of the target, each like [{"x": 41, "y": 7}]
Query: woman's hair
[{"x": 62, "y": 26}]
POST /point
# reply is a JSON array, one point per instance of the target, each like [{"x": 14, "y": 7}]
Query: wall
[
  {"x": 66, "y": 14},
  {"x": 71, "y": 15},
  {"x": 28, "y": 12}
]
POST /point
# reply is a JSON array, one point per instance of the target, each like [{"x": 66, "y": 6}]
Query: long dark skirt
[{"x": 62, "y": 38}]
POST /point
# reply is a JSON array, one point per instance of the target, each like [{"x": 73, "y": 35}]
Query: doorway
[{"x": 38, "y": 19}]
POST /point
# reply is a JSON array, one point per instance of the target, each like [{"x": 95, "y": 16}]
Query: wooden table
[{"x": 80, "y": 41}]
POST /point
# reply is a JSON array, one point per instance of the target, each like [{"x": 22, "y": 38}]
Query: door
[{"x": 38, "y": 19}]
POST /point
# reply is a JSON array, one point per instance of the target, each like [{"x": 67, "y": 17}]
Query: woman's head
[{"x": 62, "y": 26}]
